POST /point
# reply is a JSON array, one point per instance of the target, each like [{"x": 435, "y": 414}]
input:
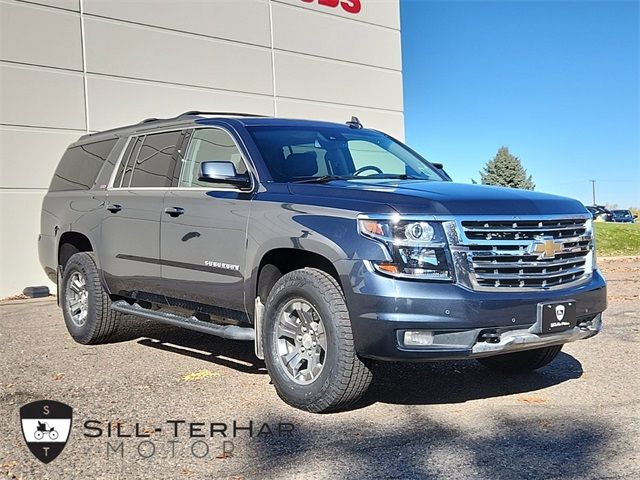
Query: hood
[{"x": 443, "y": 198}]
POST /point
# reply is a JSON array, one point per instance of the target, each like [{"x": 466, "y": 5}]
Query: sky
[{"x": 556, "y": 81}]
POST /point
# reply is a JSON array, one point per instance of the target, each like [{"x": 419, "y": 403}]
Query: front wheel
[
  {"x": 308, "y": 343},
  {"x": 522, "y": 362}
]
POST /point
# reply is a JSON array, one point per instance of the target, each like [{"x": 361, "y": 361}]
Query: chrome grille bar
[{"x": 522, "y": 253}]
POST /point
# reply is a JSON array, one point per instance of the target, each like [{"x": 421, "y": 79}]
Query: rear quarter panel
[{"x": 79, "y": 211}]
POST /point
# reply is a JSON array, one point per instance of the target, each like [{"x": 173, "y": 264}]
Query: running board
[{"x": 232, "y": 332}]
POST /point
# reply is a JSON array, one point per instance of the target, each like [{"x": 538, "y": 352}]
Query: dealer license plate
[{"x": 556, "y": 316}]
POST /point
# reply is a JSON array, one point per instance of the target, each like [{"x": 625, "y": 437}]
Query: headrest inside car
[{"x": 302, "y": 164}]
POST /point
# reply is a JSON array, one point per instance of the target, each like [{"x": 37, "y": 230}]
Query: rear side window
[
  {"x": 149, "y": 161},
  {"x": 80, "y": 166}
]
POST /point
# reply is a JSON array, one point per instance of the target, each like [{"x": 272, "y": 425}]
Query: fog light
[{"x": 418, "y": 338}]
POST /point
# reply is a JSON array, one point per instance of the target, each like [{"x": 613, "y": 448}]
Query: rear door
[
  {"x": 130, "y": 235},
  {"x": 203, "y": 246}
]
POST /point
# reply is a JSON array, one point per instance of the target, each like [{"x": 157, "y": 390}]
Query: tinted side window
[
  {"x": 153, "y": 167},
  {"x": 80, "y": 166},
  {"x": 208, "y": 144}
]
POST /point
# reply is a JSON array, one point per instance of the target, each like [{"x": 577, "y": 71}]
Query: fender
[{"x": 306, "y": 232}]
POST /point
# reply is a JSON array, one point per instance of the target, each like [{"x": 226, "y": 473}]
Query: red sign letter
[{"x": 352, "y": 6}]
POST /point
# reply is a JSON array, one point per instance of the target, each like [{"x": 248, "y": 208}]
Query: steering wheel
[{"x": 367, "y": 167}]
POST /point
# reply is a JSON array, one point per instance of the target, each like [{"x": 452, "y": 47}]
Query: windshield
[
  {"x": 622, "y": 213},
  {"x": 307, "y": 153}
]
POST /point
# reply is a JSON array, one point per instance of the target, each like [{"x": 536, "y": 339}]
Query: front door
[
  {"x": 203, "y": 227},
  {"x": 130, "y": 235}
]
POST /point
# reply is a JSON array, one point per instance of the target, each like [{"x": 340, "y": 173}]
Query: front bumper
[
  {"x": 516, "y": 340},
  {"x": 381, "y": 309}
]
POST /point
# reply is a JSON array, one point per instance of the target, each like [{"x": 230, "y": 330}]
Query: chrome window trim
[
  {"x": 118, "y": 162},
  {"x": 243, "y": 155}
]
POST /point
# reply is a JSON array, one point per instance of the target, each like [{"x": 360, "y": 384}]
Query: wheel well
[
  {"x": 71, "y": 243},
  {"x": 279, "y": 262}
]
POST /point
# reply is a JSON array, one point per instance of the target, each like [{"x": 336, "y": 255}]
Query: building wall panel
[
  {"x": 41, "y": 97},
  {"x": 244, "y": 21},
  {"x": 333, "y": 37},
  {"x": 134, "y": 51},
  {"x": 30, "y": 155},
  {"x": 25, "y": 35}
]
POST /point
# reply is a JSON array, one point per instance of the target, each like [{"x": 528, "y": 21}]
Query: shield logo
[
  {"x": 560, "y": 312},
  {"x": 46, "y": 425}
]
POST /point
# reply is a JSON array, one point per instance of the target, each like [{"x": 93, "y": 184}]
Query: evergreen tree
[{"x": 506, "y": 170}]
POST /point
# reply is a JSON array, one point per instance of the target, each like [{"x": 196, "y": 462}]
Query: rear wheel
[
  {"x": 522, "y": 362},
  {"x": 308, "y": 343},
  {"x": 85, "y": 304}
]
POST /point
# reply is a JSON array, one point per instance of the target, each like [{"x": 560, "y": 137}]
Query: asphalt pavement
[{"x": 177, "y": 395}]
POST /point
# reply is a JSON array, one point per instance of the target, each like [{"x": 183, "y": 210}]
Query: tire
[
  {"x": 343, "y": 378},
  {"x": 97, "y": 322},
  {"x": 521, "y": 362},
  {"x": 53, "y": 435},
  {"x": 38, "y": 435}
]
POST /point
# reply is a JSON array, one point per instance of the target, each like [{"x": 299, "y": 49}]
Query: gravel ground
[{"x": 576, "y": 418}]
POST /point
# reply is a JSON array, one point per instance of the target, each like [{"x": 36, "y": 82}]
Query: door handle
[
  {"x": 174, "y": 211},
  {"x": 113, "y": 208}
]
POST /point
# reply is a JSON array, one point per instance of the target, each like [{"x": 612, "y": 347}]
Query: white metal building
[{"x": 68, "y": 67}]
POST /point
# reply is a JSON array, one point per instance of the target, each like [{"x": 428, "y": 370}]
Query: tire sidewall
[
  {"x": 290, "y": 289},
  {"x": 80, "y": 262}
]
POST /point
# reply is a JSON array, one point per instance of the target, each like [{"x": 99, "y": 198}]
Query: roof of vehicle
[{"x": 191, "y": 118}]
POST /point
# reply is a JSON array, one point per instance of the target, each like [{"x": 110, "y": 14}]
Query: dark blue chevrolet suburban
[{"x": 327, "y": 245}]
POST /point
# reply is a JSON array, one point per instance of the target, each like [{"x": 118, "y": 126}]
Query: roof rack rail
[
  {"x": 191, "y": 113},
  {"x": 231, "y": 114}
]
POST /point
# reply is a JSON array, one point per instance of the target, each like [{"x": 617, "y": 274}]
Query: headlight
[{"x": 418, "y": 248}]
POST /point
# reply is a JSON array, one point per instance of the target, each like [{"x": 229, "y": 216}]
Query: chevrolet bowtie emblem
[{"x": 546, "y": 248}]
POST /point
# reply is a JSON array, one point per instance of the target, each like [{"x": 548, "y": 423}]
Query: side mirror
[
  {"x": 439, "y": 166},
  {"x": 223, "y": 172}
]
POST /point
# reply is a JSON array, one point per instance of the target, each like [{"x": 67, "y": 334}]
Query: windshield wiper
[
  {"x": 380, "y": 176},
  {"x": 324, "y": 179},
  {"x": 393, "y": 176}
]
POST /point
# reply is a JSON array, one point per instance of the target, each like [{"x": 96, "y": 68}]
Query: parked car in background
[
  {"x": 600, "y": 213},
  {"x": 623, "y": 216}
]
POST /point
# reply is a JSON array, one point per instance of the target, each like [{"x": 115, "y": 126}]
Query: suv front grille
[{"x": 527, "y": 253}]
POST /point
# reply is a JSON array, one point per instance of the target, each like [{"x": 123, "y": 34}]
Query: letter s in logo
[{"x": 351, "y": 6}]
